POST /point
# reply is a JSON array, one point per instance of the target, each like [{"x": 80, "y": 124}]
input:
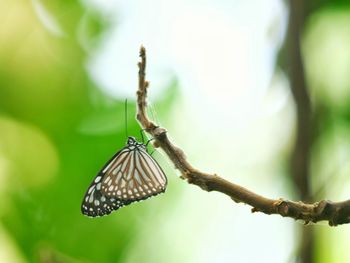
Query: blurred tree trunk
[{"x": 300, "y": 158}]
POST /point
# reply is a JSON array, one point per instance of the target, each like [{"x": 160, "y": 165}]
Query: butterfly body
[{"x": 130, "y": 175}]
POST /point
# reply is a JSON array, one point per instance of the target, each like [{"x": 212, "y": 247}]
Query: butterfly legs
[
  {"x": 143, "y": 138},
  {"x": 143, "y": 141}
]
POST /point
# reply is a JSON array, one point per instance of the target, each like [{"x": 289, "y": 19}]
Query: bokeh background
[{"x": 263, "y": 102}]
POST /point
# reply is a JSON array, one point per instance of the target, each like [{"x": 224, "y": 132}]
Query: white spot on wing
[
  {"x": 91, "y": 197},
  {"x": 107, "y": 179},
  {"x": 91, "y": 188},
  {"x": 123, "y": 183}
]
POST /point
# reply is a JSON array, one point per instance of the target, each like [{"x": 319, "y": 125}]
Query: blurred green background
[{"x": 221, "y": 83}]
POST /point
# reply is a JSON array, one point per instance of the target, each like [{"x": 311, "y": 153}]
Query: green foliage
[{"x": 57, "y": 130}]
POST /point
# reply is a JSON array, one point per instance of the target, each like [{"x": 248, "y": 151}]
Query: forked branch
[{"x": 335, "y": 213}]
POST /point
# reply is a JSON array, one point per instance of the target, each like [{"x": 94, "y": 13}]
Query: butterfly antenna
[
  {"x": 126, "y": 118},
  {"x": 142, "y": 138}
]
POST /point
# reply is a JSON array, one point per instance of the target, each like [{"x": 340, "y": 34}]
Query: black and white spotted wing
[
  {"x": 131, "y": 175},
  {"x": 96, "y": 204}
]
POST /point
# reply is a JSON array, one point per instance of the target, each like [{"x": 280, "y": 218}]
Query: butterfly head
[{"x": 131, "y": 141}]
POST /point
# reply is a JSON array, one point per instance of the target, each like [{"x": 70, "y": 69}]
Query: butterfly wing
[
  {"x": 130, "y": 175},
  {"x": 133, "y": 177},
  {"x": 95, "y": 203}
]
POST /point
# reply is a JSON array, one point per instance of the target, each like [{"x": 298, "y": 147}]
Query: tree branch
[{"x": 335, "y": 213}]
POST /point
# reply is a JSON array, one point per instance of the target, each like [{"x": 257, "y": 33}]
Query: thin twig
[{"x": 335, "y": 213}]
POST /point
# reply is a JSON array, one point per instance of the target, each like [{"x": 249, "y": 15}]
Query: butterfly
[{"x": 130, "y": 175}]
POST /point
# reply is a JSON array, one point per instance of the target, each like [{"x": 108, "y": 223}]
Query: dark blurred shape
[{"x": 300, "y": 158}]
